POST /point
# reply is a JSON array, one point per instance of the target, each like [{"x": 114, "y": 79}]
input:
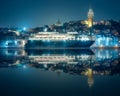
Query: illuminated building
[{"x": 90, "y": 17}]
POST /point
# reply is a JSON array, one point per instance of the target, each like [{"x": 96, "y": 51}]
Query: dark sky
[{"x": 31, "y": 13}]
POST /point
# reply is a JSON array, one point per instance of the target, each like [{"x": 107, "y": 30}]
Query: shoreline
[{"x": 53, "y": 48}]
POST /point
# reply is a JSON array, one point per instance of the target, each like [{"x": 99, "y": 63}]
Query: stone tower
[{"x": 90, "y": 17}]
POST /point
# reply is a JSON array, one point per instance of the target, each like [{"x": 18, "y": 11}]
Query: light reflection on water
[{"x": 58, "y": 69}]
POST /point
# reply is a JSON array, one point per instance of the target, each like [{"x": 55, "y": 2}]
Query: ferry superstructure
[{"x": 60, "y": 40}]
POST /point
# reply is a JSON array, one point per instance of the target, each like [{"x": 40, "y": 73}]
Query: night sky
[{"x": 33, "y": 13}]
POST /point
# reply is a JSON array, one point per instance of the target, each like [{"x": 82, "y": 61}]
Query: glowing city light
[
  {"x": 45, "y": 29},
  {"x": 84, "y": 39},
  {"x": 24, "y": 66},
  {"x": 116, "y": 46},
  {"x": 15, "y": 42},
  {"x": 101, "y": 46},
  {"x": 6, "y": 43},
  {"x": 24, "y": 28}
]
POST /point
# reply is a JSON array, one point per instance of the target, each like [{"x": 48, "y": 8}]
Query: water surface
[{"x": 81, "y": 72}]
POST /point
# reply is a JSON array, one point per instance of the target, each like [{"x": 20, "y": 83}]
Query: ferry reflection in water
[{"x": 83, "y": 63}]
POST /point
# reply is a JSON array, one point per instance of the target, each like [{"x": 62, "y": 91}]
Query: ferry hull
[{"x": 58, "y": 44}]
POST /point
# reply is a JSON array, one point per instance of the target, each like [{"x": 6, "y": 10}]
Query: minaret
[{"x": 90, "y": 17}]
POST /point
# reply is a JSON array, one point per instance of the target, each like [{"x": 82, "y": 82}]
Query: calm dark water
[{"x": 60, "y": 72}]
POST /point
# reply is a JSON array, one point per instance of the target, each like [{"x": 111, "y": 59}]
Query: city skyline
[{"x": 42, "y": 12}]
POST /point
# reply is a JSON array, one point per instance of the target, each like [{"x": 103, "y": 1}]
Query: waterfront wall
[{"x": 106, "y": 41}]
